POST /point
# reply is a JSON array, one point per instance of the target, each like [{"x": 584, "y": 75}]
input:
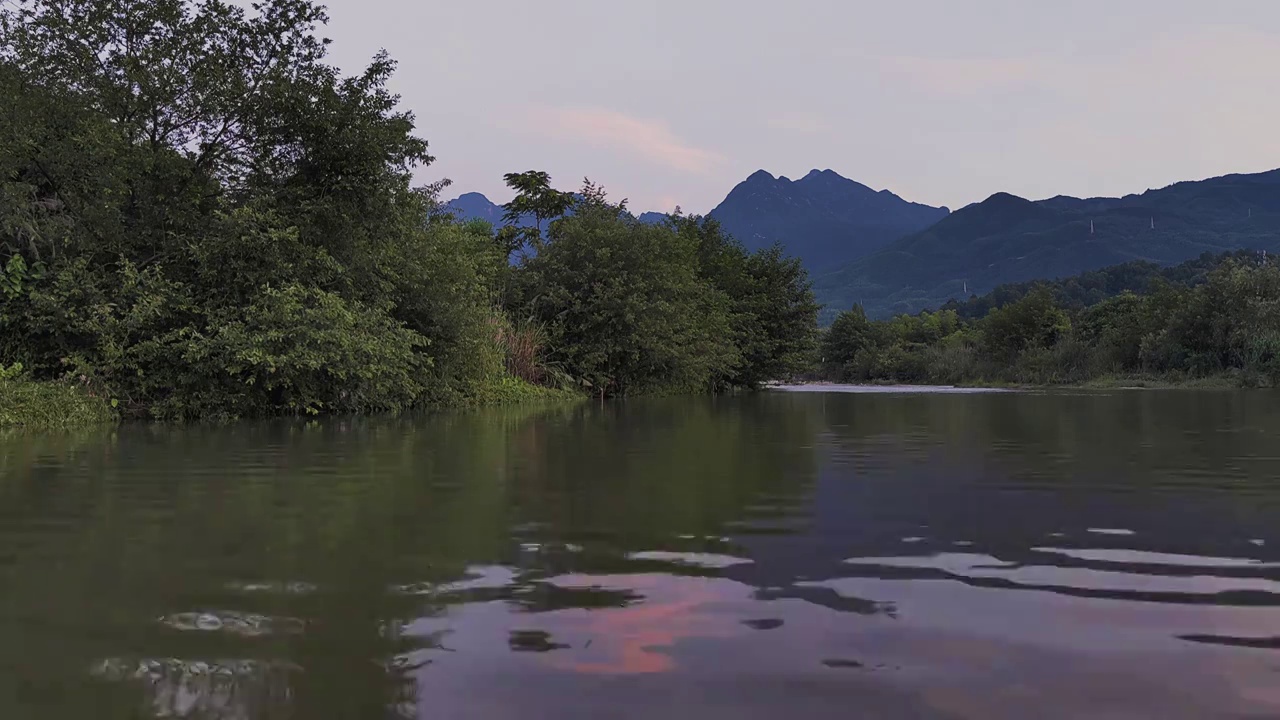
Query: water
[{"x": 785, "y": 555}]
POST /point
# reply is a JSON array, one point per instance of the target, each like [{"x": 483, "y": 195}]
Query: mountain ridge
[
  {"x": 476, "y": 206},
  {"x": 823, "y": 218},
  {"x": 1006, "y": 239}
]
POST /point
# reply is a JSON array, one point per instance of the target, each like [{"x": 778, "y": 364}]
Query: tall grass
[
  {"x": 523, "y": 343},
  {"x": 50, "y": 405}
]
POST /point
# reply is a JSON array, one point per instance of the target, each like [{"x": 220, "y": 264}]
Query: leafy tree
[
  {"x": 850, "y": 334},
  {"x": 534, "y": 198},
  {"x": 623, "y": 304},
  {"x": 1116, "y": 327},
  {"x": 1033, "y": 322},
  {"x": 774, "y": 316}
]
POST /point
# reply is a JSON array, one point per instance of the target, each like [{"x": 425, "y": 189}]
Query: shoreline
[{"x": 1217, "y": 382}]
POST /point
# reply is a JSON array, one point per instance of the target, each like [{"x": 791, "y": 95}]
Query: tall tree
[{"x": 534, "y": 198}]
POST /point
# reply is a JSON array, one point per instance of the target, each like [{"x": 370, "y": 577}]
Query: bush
[{"x": 951, "y": 362}]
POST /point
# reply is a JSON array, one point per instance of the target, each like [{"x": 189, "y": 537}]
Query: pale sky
[{"x": 670, "y": 102}]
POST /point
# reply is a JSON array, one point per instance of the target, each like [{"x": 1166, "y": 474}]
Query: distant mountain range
[
  {"x": 475, "y": 206},
  {"x": 824, "y": 219},
  {"x": 893, "y": 256},
  {"x": 1006, "y": 239}
]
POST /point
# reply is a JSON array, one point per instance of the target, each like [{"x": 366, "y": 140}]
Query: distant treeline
[
  {"x": 1090, "y": 288},
  {"x": 200, "y": 217},
  {"x": 1213, "y": 316}
]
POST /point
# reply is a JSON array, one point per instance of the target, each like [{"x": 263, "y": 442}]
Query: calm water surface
[{"x": 805, "y": 555}]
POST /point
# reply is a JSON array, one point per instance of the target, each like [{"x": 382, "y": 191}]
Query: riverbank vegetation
[
  {"x": 200, "y": 217},
  {"x": 48, "y": 405},
  {"x": 1215, "y": 319}
]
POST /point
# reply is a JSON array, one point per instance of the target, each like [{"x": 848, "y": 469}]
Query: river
[{"x": 805, "y": 555}]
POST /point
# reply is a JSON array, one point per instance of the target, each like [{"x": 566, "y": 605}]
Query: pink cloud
[{"x": 646, "y": 139}]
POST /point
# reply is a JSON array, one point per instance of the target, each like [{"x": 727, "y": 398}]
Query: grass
[
  {"x": 1212, "y": 382},
  {"x": 513, "y": 391},
  {"x": 50, "y": 406}
]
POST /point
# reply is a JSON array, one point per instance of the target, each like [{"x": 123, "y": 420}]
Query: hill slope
[
  {"x": 1089, "y": 288},
  {"x": 824, "y": 219},
  {"x": 1006, "y": 239}
]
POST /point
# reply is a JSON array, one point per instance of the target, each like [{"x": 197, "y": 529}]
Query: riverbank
[
  {"x": 884, "y": 388},
  {"x": 51, "y": 406},
  {"x": 57, "y": 405},
  {"x": 1213, "y": 382},
  {"x": 1109, "y": 382}
]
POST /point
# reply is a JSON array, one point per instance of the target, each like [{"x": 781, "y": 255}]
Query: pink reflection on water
[{"x": 630, "y": 640}]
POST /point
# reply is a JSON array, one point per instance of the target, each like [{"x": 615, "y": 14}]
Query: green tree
[
  {"x": 1034, "y": 322},
  {"x": 848, "y": 335},
  {"x": 773, "y": 313},
  {"x": 534, "y": 198},
  {"x": 624, "y": 306}
]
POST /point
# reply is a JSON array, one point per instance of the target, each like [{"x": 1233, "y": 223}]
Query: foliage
[
  {"x": 200, "y": 217},
  {"x": 1224, "y": 323},
  {"x": 510, "y": 390},
  {"x": 633, "y": 307},
  {"x": 623, "y": 305},
  {"x": 772, "y": 311},
  {"x": 48, "y": 405},
  {"x": 1033, "y": 323},
  {"x": 535, "y": 199},
  {"x": 1092, "y": 287}
]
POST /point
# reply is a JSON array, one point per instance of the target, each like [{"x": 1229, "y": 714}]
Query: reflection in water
[
  {"x": 232, "y": 622},
  {"x": 1143, "y": 557},
  {"x": 705, "y": 560},
  {"x": 232, "y": 689},
  {"x": 953, "y": 555}
]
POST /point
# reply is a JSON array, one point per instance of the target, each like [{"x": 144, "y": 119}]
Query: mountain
[
  {"x": 475, "y": 206},
  {"x": 652, "y": 218},
  {"x": 1007, "y": 239},
  {"x": 824, "y": 219}
]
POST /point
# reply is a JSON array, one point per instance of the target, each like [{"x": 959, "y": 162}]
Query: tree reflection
[
  {"x": 309, "y": 550},
  {"x": 221, "y": 689}
]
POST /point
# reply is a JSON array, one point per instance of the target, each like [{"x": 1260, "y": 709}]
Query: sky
[{"x": 673, "y": 102}]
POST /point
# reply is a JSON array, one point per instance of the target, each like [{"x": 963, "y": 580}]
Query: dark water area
[{"x": 809, "y": 555}]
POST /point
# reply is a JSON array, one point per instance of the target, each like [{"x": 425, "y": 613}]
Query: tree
[
  {"x": 534, "y": 198},
  {"x": 203, "y": 217},
  {"x": 623, "y": 304},
  {"x": 773, "y": 313},
  {"x": 850, "y": 333},
  {"x": 1033, "y": 322}
]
